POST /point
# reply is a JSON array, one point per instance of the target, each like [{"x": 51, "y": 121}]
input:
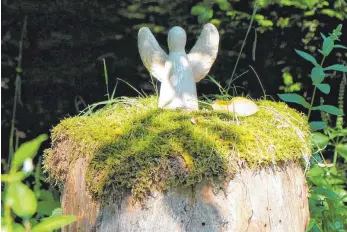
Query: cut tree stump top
[{"x": 134, "y": 147}]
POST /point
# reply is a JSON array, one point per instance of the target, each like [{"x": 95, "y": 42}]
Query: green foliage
[
  {"x": 324, "y": 88},
  {"x": 53, "y": 223},
  {"x": 203, "y": 10},
  {"x": 342, "y": 150},
  {"x": 328, "y": 194},
  {"x": 289, "y": 85},
  {"x": 327, "y": 199},
  {"x": 307, "y": 56},
  {"x": 46, "y": 203},
  {"x": 204, "y": 13},
  {"x": 329, "y": 109},
  {"x": 318, "y": 75},
  {"x": 19, "y": 202},
  {"x": 319, "y": 140},
  {"x": 27, "y": 151},
  {"x": 315, "y": 126},
  {"x": 294, "y": 98},
  {"x": 336, "y": 67},
  {"x": 22, "y": 201}
]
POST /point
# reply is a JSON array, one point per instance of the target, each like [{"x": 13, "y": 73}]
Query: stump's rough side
[
  {"x": 167, "y": 160},
  {"x": 265, "y": 200}
]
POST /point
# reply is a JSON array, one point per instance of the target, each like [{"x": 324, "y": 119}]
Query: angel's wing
[
  {"x": 204, "y": 52},
  {"x": 152, "y": 56}
]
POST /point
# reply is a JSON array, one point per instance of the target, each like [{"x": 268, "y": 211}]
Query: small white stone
[{"x": 238, "y": 106}]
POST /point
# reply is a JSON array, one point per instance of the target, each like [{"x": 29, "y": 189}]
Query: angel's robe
[{"x": 178, "y": 89}]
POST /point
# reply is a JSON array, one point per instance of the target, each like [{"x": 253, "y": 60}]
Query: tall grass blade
[
  {"x": 17, "y": 91},
  {"x": 243, "y": 44},
  {"x": 136, "y": 90},
  {"x": 106, "y": 78},
  {"x": 261, "y": 85}
]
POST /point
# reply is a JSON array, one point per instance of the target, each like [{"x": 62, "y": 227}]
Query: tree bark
[{"x": 269, "y": 199}]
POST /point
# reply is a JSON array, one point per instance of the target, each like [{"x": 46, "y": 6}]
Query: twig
[
  {"x": 259, "y": 81},
  {"x": 17, "y": 90},
  {"x": 254, "y": 44}
]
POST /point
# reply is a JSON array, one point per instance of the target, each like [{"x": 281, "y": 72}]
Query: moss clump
[{"x": 134, "y": 146}]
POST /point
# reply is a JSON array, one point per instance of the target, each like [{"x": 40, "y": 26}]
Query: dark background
[{"x": 66, "y": 41}]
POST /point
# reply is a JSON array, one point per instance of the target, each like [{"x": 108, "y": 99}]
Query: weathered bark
[
  {"x": 76, "y": 200},
  {"x": 263, "y": 200}
]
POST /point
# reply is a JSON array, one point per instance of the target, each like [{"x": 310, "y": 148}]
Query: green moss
[{"x": 134, "y": 146}]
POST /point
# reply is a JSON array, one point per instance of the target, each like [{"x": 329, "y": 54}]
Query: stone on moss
[{"x": 134, "y": 146}]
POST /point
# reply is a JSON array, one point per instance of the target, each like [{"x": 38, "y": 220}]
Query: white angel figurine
[{"x": 178, "y": 71}]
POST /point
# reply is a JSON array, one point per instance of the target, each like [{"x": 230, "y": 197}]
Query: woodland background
[{"x": 55, "y": 68}]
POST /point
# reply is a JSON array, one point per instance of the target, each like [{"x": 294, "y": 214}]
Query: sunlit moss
[{"x": 135, "y": 146}]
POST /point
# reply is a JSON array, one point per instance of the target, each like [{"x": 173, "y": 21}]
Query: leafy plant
[
  {"x": 327, "y": 180},
  {"x": 19, "y": 201}
]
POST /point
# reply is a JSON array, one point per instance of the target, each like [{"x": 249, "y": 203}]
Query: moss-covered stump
[{"x": 133, "y": 167}]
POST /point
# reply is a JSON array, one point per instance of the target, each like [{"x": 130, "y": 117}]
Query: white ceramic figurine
[{"x": 179, "y": 71}]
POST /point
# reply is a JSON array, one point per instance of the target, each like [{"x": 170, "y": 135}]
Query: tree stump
[{"x": 182, "y": 192}]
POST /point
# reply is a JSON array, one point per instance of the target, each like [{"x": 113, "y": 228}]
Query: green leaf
[
  {"x": 46, "y": 195},
  {"x": 27, "y": 150},
  {"x": 21, "y": 199},
  {"x": 45, "y": 208},
  {"x": 320, "y": 140},
  {"x": 17, "y": 176},
  {"x": 33, "y": 221},
  {"x": 317, "y": 228},
  {"x": 295, "y": 98},
  {"x": 337, "y": 67},
  {"x": 223, "y": 4},
  {"x": 294, "y": 87},
  {"x": 334, "y": 177},
  {"x": 205, "y": 16},
  {"x": 46, "y": 203},
  {"x": 337, "y": 132},
  {"x": 340, "y": 190},
  {"x": 340, "y": 46},
  {"x": 317, "y": 75},
  {"x": 329, "y": 109},
  {"x": 344, "y": 198},
  {"x": 323, "y": 36},
  {"x": 342, "y": 150},
  {"x": 337, "y": 225},
  {"x": 198, "y": 9},
  {"x": 316, "y": 171},
  {"x": 315, "y": 175},
  {"x": 311, "y": 224},
  {"x": 317, "y": 125},
  {"x": 287, "y": 78},
  {"x": 16, "y": 227},
  {"x": 325, "y": 88},
  {"x": 328, "y": 193},
  {"x": 307, "y": 56},
  {"x": 328, "y": 46},
  {"x": 53, "y": 223},
  {"x": 56, "y": 212}
]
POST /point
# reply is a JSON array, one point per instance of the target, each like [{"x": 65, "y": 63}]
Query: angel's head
[{"x": 177, "y": 39}]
